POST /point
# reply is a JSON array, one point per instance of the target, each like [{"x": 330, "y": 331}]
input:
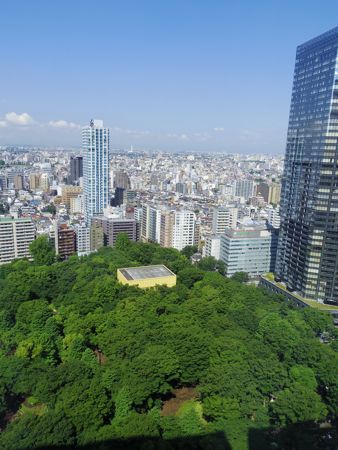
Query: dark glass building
[
  {"x": 307, "y": 258},
  {"x": 76, "y": 169}
]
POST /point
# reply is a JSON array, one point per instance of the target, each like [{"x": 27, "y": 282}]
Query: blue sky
[{"x": 172, "y": 75}]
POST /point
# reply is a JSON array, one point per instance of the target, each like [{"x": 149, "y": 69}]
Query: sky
[{"x": 188, "y": 75}]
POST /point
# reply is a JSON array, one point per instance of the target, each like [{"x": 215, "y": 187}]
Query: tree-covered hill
[{"x": 85, "y": 360}]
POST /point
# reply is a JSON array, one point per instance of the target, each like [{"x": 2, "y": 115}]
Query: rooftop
[{"x": 139, "y": 273}]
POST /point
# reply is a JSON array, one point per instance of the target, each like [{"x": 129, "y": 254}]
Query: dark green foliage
[
  {"x": 84, "y": 359},
  {"x": 42, "y": 251},
  {"x": 241, "y": 277}
]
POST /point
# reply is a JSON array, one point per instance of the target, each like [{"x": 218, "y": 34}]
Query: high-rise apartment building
[
  {"x": 308, "y": 241},
  {"x": 95, "y": 145},
  {"x": 15, "y": 237},
  {"x": 82, "y": 239}
]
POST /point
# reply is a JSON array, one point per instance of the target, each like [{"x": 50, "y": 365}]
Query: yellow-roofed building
[{"x": 146, "y": 276}]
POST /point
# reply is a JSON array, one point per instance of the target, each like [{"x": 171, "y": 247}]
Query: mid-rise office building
[
  {"x": 249, "y": 249},
  {"x": 95, "y": 145},
  {"x": 69, "y": 192},
  {"x": 15, "y": 237},
  {"x": 308, "y": 241}
]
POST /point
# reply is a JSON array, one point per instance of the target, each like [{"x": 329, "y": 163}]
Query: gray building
[
  {"x": 248, "y": 249},
  {"x": 308, "y": 244},
  {"x": 15, "y": 237}
]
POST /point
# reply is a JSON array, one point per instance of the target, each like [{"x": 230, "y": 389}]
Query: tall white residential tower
[{"x": 95, "y": 146}]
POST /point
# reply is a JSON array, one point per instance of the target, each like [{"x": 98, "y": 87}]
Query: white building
[
  {"x": 95, "y": 146},
  {"x": 212, "y": 246},
  {"x": 15, "y": 237},
  {"x": 82, "y": 239},
  {"x": 274, "y": 217},
  {"x": 150, "y": 223},
  {"x": 183, "y": 229},
  {"x": 77, "y": 204},
  {"x": 223, "y": 218},
  {"x": 248, "y": 249}
]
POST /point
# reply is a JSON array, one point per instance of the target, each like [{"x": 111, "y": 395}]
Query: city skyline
[{"x": 174, "y": 78}]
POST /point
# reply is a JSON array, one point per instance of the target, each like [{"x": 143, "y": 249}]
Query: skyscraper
[
  {"x": 308, "y": 242},
  {"x": 95, "y": 145}
]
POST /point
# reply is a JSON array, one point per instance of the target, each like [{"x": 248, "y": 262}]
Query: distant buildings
[
  {"x": 308, "y": 240},
  {"x": 15, "y": 238},
  {"x": 95, "y": 146}
]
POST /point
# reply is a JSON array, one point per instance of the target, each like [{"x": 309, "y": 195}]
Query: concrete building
[
  {"x": 95, "y": 145},
  {"x": 44, "y": 182},
  {"x": 18, "y": 182},
  {"x": 69, "y": 192},
  {"x": 274, "y": 217},
  {"x": 82, "y": 239},
  {"x": 212, "y": 246},
  {"x": 183, "y": 229},
  {"x": 65, "y": 241},
  {"x": 248, "y": 249},
  {"x": 146, "y": 276},
  {"x": 121, "y": 180},
  {"x": 150, "y": 224},
  {"x": 274, "y": 193},
  {"x": 15, "y": 238},
  {"x": 34, "y": 181},
  {"x": 223, "y": 218},
  {"x": 113, "y": 226},
  {"x": 244, "y": 188},
  {"x": 77, "y": 205}
]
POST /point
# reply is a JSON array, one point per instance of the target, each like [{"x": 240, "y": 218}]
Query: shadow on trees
[{"x": 303, "y": 436}]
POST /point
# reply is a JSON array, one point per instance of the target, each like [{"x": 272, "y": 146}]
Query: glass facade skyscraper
[
  {"x": 95, "y": 147},
  {"x": 307, "y": 258}
]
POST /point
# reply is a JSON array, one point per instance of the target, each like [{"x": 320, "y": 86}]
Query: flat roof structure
[{"x": 146, "y": 276}]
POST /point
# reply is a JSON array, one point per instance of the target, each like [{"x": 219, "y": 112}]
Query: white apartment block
[
  {"x": 15, "y": 237},
  {"x": 77, "y": 204},
  {"x": 95, "y": 147},
  {"x": 222, "y": 218},
  {"x": 274, "y": 217},
  {"x": 150, "y": 223},
  {"x": 183, "y": 232},
  {"x": 212, "y": 246},
  {"x": 82, "y": 239}
]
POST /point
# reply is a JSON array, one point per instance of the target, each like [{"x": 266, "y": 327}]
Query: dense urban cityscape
[{"x": 170, "y": 300}]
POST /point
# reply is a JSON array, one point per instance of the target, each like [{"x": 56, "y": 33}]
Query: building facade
[
  {"x": 76, "y": 169},
  {"x": 223, "y": 218},
  {"x": 308, "y": 241},
  {"x": 248, "y": 249},
  {"x": 113, "y": 226},
  {"x": 15, "y": 238},
  {"x": 95, "y": 146}
]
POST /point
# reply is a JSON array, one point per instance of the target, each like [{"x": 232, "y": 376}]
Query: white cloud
[
  {"x": 219, "y": 129},
  {"x": 63, "y": 124},
  {"x": 3, "y": 123},
  {"x": 23, "y": 119}
]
